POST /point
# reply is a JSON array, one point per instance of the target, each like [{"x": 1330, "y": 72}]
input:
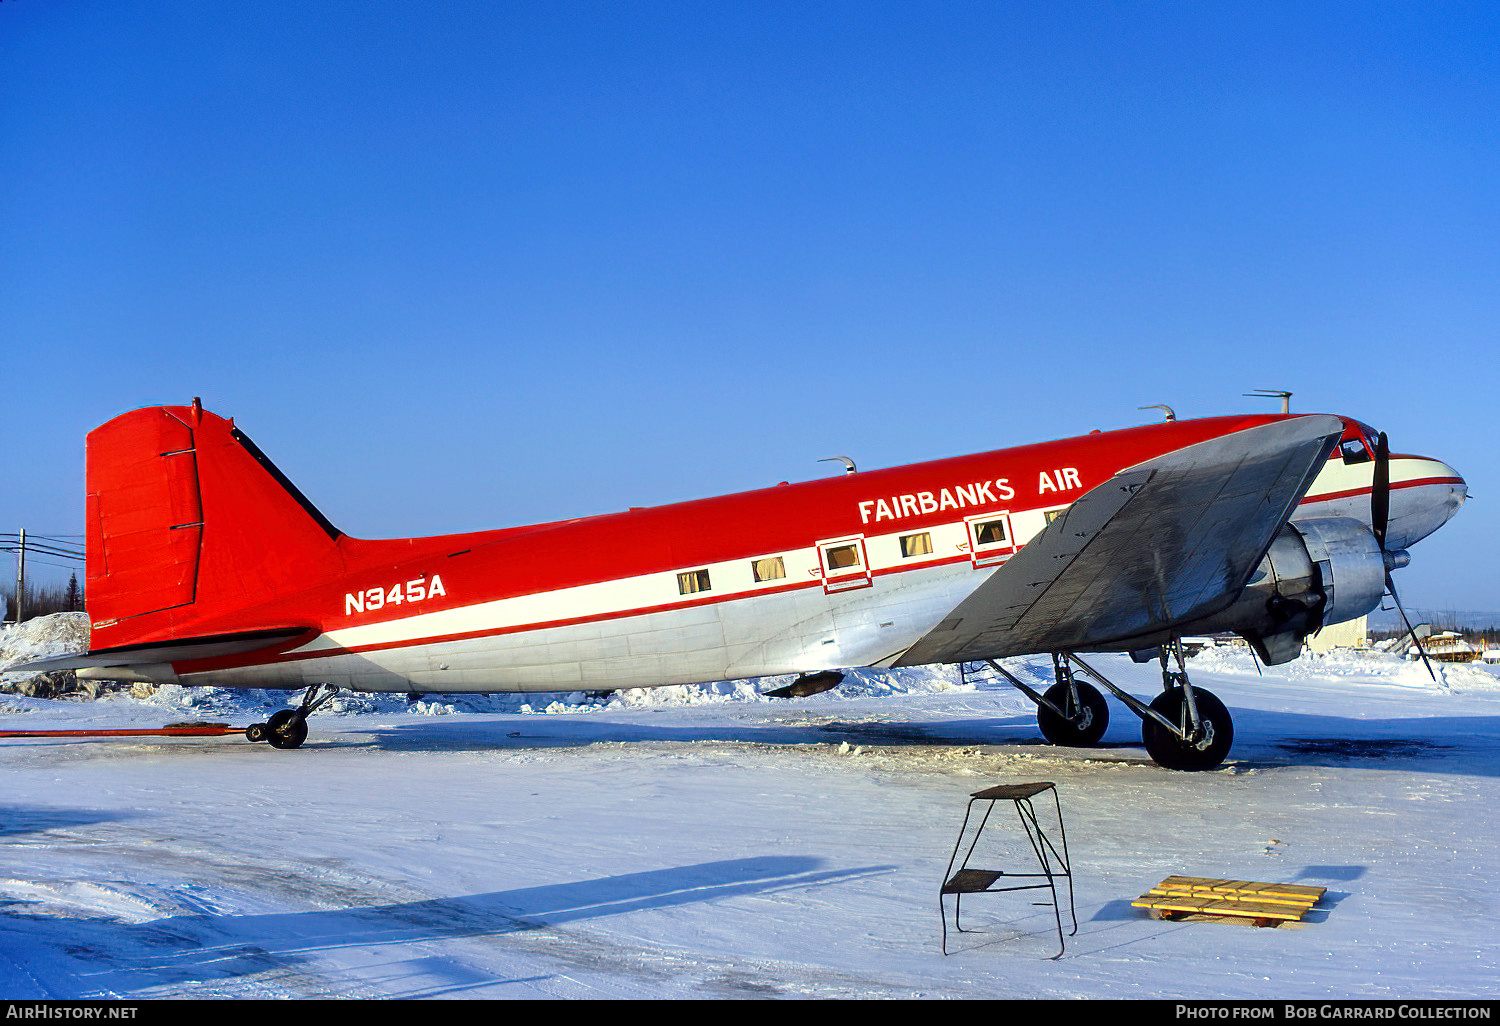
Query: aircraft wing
[{"x": 1159, "y": 545}]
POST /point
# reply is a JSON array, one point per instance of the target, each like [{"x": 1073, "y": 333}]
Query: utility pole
[
  {"x": 21, "y": 576},
  {"x": 46, "y": 548}
]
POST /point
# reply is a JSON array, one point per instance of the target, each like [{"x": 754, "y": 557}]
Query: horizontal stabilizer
[{"x": 214, "y": 646}]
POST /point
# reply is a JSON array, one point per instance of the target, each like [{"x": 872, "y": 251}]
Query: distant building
[
  {"x": 1447, "y": 646},
  {"x": 1349, "y": 634}
]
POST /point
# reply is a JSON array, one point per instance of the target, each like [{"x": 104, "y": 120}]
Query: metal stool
[{"x": 1054, "y": 862}]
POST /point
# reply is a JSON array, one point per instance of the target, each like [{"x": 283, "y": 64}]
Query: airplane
[{"x": 207, "y": 566}]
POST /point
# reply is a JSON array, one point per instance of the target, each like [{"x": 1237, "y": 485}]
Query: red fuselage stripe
[{"x": 1395, "y": 486}]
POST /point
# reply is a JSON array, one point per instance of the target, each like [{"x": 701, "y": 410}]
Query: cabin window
[
  {"x": 916, "y": 544},
  {"x": 990, "y": 538},
  {"x": 843, "y": 564},
  {"x": 692, "y": 582},
  {"x": 841, "y": 557},
  {"x": 772, "y": 568},
  {"x": 990, "y": 532}
]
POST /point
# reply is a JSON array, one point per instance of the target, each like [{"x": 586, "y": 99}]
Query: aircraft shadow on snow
[
  {"x": 1469, "y": 745},
  {"x": 122, "y": 958},
  {"x": 23, "y": 819}
]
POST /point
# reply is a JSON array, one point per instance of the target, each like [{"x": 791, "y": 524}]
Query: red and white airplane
[{"x": 207, "y": 566}]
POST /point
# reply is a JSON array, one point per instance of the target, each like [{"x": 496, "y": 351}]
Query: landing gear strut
[
  {"x": 1075, "y": 713},
  {"x": 1071, "y": 712},
  {"x": 1184, "y": 728},
  {"x": 1199, "y": 730},
  {"x": 288, "y": 728}
]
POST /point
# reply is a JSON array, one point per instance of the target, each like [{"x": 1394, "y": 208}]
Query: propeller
[
  {"x": 1380, "y": 494},
  {"x": 1380, "y": 515}
]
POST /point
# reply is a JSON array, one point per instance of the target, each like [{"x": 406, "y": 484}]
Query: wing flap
[{"x": 1165, "y": 543}]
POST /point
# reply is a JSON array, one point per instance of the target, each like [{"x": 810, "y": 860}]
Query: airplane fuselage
[{"x": 833, "y": 573}]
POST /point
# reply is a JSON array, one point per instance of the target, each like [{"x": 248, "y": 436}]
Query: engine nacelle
[{"x": 1316, "y": 572}]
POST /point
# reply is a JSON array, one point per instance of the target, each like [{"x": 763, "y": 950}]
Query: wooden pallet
[{"x": 1267, "y": 904}]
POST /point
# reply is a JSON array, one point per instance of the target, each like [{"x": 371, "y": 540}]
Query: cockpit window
[
  {"x": 1358, "y": 443},
  {"x": 1354, "y": 451}
]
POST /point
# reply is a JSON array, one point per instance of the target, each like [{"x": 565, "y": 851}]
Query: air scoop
[{"x": 808, "y": 684}]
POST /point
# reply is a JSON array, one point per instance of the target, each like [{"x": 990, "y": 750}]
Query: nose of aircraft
[
  {"x": 1445, "y": 477},
  {"x": 1425, "y": 493}
]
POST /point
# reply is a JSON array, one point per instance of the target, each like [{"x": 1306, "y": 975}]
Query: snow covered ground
[{"x": 691, "y": 843}]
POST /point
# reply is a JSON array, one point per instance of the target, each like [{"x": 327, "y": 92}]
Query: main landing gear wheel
[
  {"x": 1085, "y": 721},
  {"x": 286, "y": 729},
  {"x": 1206, "y": 748}
]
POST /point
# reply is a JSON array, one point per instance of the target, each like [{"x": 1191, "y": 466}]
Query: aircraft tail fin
[{"x": 187, "y": 522}]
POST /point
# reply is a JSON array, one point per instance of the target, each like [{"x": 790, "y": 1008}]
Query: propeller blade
[
  {"x": 1380, "y": 492},
  {"x": 1390, "y": 586}
]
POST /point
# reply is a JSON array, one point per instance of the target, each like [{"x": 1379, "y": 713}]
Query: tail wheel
[
  {"x": 255, "y": 732},
  {"x": 1086, "y": 719},
  {"x": 1206, "y": 749},
  {"x": 286, "y": 729}
]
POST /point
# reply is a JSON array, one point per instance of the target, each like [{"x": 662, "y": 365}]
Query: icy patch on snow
[{"x": 85, "y": 899}]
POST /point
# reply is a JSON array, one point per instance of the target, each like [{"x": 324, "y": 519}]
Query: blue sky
[{"x": 463, "y": 265}]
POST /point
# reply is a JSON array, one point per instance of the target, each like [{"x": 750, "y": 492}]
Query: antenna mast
[{"x": 1274, "y": 393}]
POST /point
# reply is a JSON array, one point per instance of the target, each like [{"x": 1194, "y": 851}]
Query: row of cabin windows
[
  {"x": 839, "y": 557},
  {"x": 772, "y": 568},
  {"x": 769, "y": 569},
  {"x": 988, "y": 532}
]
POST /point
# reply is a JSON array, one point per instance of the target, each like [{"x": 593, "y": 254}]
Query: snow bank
[
  {"x": 43, "y": 637},
  {"x": 1355, "y": 665}
]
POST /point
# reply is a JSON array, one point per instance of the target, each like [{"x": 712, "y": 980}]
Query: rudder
[{"x": 188, "y": 521}]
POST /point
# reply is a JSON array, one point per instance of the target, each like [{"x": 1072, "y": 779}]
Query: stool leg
[
  {"x": 943, "y": 918},
  {"x": 1066, "y": 862},
  {"x": 1027, "y": 815}
]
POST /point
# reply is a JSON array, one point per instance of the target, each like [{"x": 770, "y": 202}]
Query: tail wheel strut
[{"x": 288, "y": 727}]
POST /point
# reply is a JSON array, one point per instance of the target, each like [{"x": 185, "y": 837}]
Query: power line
[
  {"x": 37, "y": 546},
  {"x": 64, "y": 566},
  {"x": 44, "y": 550}
]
